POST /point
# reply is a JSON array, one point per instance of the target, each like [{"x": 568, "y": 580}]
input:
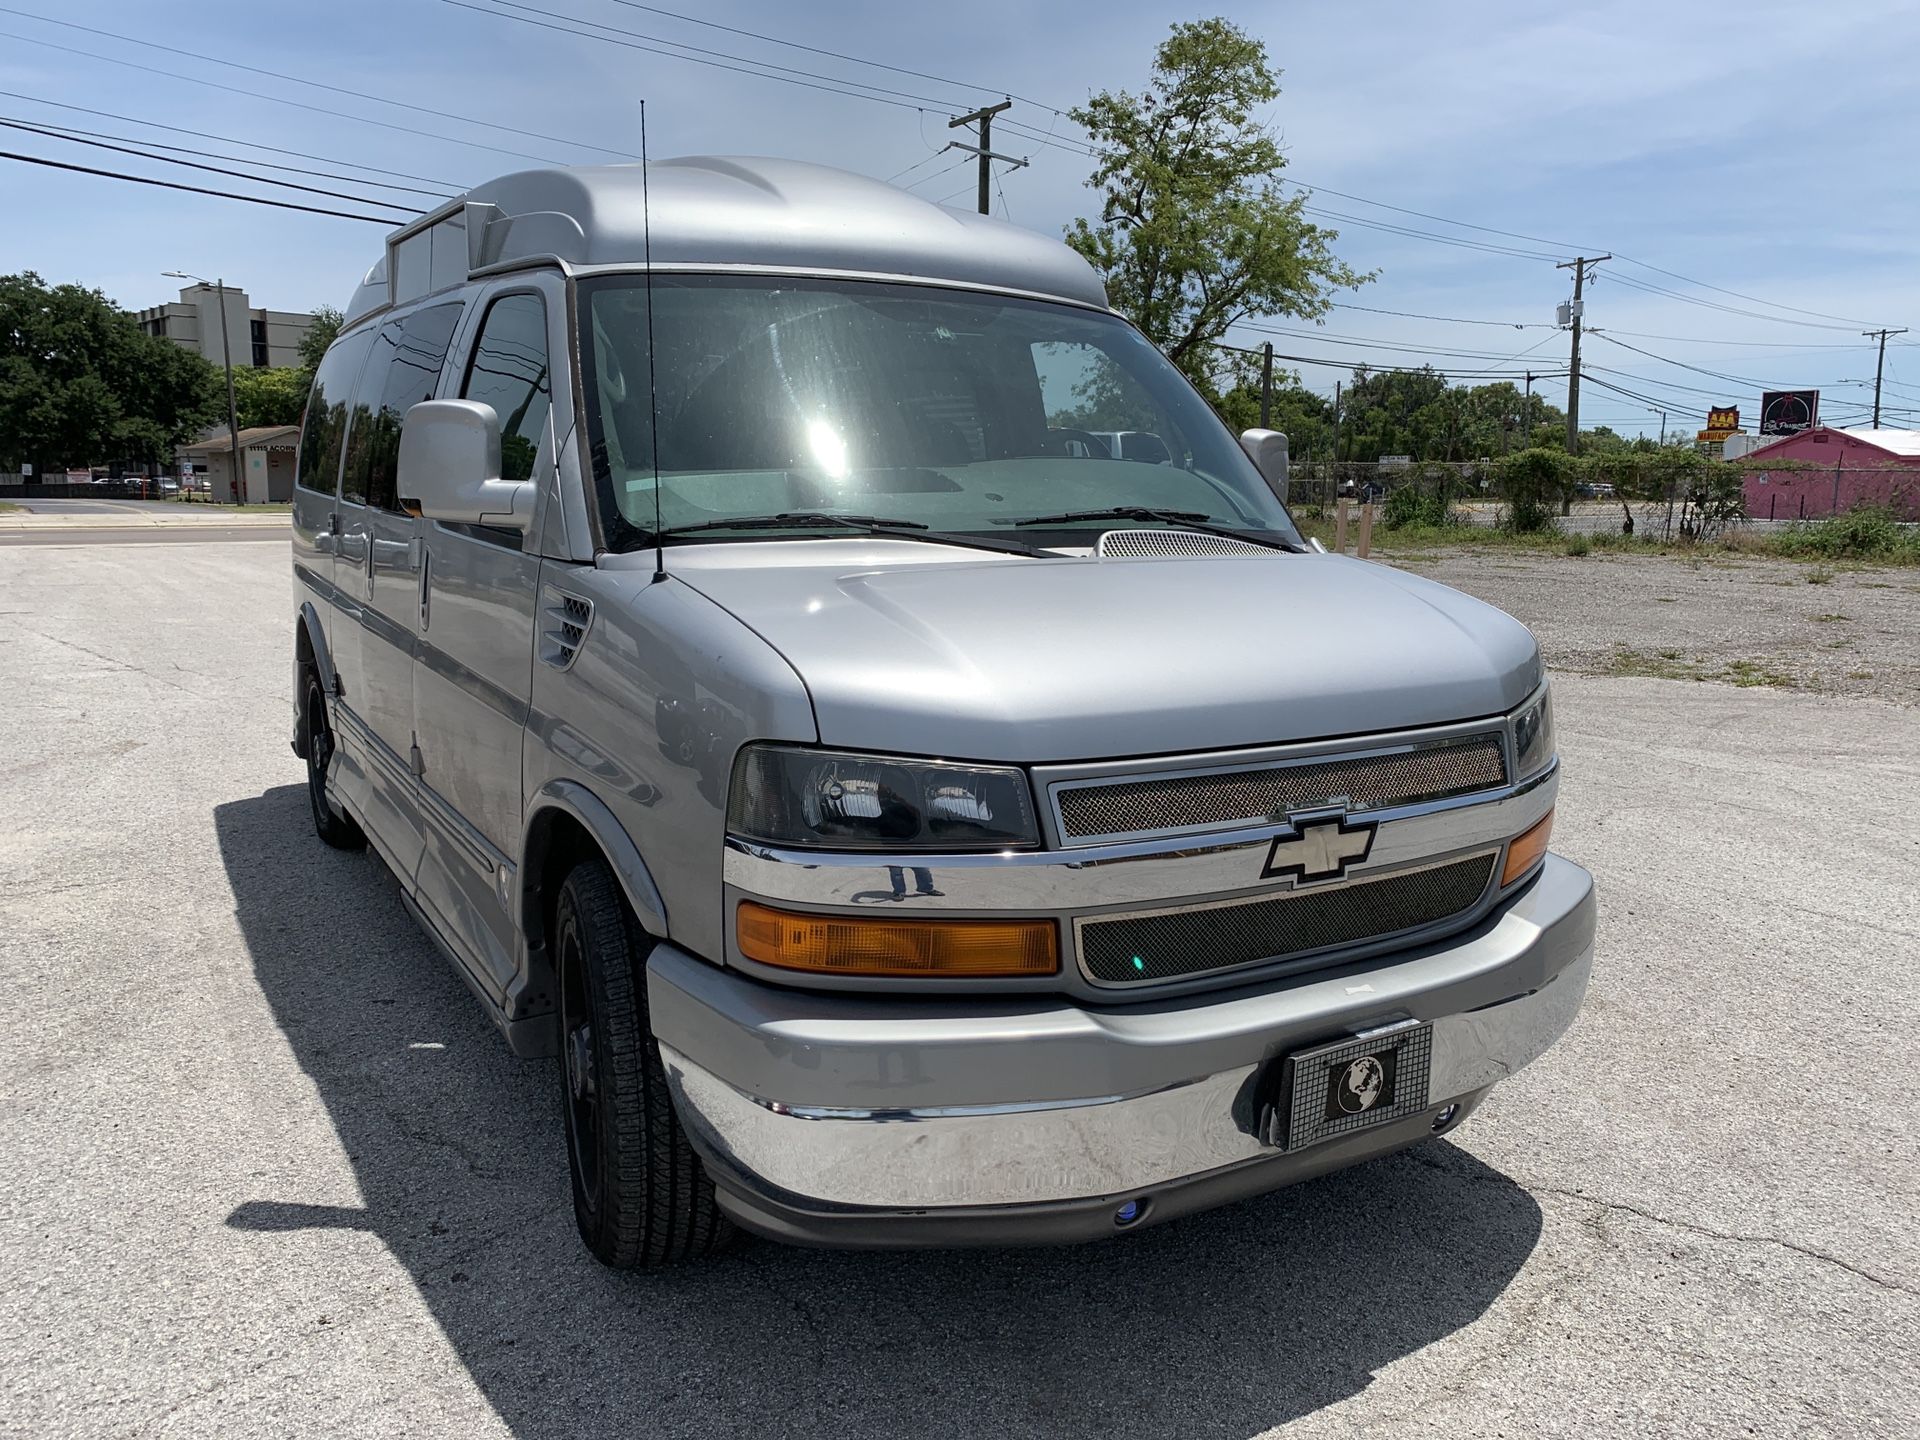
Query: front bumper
[{"x": 898, "y": 1120}]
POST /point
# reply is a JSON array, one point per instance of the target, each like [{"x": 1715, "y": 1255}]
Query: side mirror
[
  {"x": 1268, "y": 451},
  {"x": 450, "y": 467}
]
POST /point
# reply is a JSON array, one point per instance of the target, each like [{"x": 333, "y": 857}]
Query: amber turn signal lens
[
  {"x": 857, "y": 945},
  {"x": 1525, "y": 852}
]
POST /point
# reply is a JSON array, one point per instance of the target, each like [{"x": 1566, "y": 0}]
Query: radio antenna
[{"x": 653, "y": 393}]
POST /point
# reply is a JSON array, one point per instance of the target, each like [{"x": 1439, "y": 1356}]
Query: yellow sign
[{"x": 1724, "y": 420}]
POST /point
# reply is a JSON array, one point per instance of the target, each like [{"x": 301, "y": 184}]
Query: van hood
[{"x": 1080, "y": 658}]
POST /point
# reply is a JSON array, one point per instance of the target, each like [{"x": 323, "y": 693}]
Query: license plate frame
[{"x": 1351, "y": 1083}]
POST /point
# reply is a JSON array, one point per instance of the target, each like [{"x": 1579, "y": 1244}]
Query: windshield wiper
[
  {"x": 1189, "y": 519},
  {"x": 865, "y": 524}
]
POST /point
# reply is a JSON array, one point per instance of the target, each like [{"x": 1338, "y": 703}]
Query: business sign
[
  {"x": 1724, "y": 418},
  {"x": 1788, "y": 412}
]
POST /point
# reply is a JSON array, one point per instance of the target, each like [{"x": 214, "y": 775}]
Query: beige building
[
  {"x": 269, "y": 454},
  {"x": 259, "y": 338}
]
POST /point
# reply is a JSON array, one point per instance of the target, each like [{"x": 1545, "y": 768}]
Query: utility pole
[
  {"x": 1336, "y": 428},
  {"x": 226, "y": 356},
  {"x": 1880, "y": 365},
  {"x": 984, "y": 117},
  {"x": 1579, "y": 268},
  {"x": 1266, "y": 385},
  {"x": 1663, "y": 429},
  {"x": 1526, "y": 414}
]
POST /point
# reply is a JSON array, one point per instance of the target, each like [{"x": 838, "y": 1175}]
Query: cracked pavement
[{"x": 270, "y": 1171}]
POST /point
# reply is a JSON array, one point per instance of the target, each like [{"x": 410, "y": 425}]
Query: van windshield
[{"x": 966, "y": 414}]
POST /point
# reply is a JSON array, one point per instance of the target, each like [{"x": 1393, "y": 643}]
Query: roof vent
[{"x": 1136, "y": 544}]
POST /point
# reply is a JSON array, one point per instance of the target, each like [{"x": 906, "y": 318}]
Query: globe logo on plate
[{"x": 1360, "y": 1085}]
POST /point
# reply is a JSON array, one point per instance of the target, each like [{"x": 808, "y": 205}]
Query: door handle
[{"x": 426, "y": 573}]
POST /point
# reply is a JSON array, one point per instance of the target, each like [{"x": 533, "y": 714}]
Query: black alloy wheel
[
  {"x": 329, "y": 824},
  {"x": 641, "y": 1196}
]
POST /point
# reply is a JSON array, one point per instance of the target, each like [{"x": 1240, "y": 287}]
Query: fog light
[
  {"x": 1131, "y": 1211},
  {"x": 1446, "y": 1117}
]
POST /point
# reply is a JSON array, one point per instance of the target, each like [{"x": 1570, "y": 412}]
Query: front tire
[
  {"x": 329, "y": 824},
  {"x": 641, "y": 1197}
]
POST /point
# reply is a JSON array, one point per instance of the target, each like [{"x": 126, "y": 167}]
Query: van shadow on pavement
[{"x": 1220, "y": 1325}]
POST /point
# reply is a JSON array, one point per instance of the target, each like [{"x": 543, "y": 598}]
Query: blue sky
[{"x": 1766, "y": 149}]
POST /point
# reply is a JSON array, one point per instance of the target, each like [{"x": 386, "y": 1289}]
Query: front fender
[
  {"x": 571, "y": 798},
  {"x": 309, "y": 649}
]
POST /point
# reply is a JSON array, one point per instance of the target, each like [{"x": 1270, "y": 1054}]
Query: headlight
[
  {"x": 1533, "y": 736},
  {"x": 834, "y": 800}
]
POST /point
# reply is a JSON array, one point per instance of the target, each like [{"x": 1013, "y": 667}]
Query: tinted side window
[
  {"x": 327, "y": 414},
  {"x": 509, "y": 372},
  {"x": 403, "y": 370}
]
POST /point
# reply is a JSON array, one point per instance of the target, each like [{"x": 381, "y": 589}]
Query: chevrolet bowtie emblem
[{"x": 1318, "y": 849}]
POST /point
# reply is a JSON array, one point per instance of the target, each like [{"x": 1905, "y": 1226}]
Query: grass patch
[
  {"x": 1626, "y": 661},
  {"x": 1665, "y": 665},
  {"x": 7, "y": 505},
  {"x": 1868, "y": 537},
  {"x": 1749, "y": 673}
]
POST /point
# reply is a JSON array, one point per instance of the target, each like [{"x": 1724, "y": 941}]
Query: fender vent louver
[
  {"x": 564, "y": 622},
  {"x": 1133, "y": 544}
]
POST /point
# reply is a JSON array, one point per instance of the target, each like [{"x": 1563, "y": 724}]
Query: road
[
  {"x": 76, "y": 505},
  {"x": 269, "y": 1171}
]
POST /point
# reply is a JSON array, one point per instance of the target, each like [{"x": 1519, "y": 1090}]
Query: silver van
[{"x": 908, "y": 821}]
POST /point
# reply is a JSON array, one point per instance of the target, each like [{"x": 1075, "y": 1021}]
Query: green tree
[
  {"x": 313, "y": 345},
  {"x": 82, "y": 384},
  {"x": 1194, "y": 233},
  {"x": 271, "y": 397}
]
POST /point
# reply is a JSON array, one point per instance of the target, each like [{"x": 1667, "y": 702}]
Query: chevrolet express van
[{"x": 909, "y": 818}]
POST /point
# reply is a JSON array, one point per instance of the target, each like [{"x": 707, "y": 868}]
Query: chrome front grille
[
  {"x": 1182, "y": 943},
  {"x": 1378, "y": 780}
]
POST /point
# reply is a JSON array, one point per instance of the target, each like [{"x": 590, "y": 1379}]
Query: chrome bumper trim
[{"x": 888, "y": 1103}]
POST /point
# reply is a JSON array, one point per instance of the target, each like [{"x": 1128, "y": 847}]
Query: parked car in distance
[{"x": 908, "y": 819}]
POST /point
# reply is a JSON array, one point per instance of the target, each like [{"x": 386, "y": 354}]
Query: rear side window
[
  {"x": 509, "y": 372},
  {"x": 327, "y": 414},
  {"x": 403, "y": 370}
]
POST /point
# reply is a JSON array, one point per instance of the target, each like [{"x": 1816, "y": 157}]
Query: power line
[
  {"x": 1789, "y": 345},
  {"x": 230, "y": 140},
  {"x": 763, "y": 65},
  {"x": 316, "y": 84},
  {"x": 192, "y": 189},
  {"x": 1335, "y": 337},
  {"x": 215, "y": 169},
  {"x": 925, "y": 160},
  {"x": 1637, "y": 284},
  {"x": 1675, "y": 408},
  {"x": 943, "y": 170},
  {"x": 65, "y": 132},
  {"x": 837, "y": 55},
  {"x": 1561, "y": 245},
  {"x": 1697, "y": 369},
  {"x": 282, "y": 100},
  {"x": 1449, "y": 319},
  {"x": 676, "y": 55}
]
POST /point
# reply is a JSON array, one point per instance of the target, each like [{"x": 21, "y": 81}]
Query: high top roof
[{"x": 780, "y": 214}]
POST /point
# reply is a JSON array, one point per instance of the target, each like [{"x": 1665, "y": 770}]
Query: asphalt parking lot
[{"x": 269, "y": 1170}]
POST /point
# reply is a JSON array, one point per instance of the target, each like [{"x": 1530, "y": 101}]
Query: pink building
[{"x": 1847, "y": 469}]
